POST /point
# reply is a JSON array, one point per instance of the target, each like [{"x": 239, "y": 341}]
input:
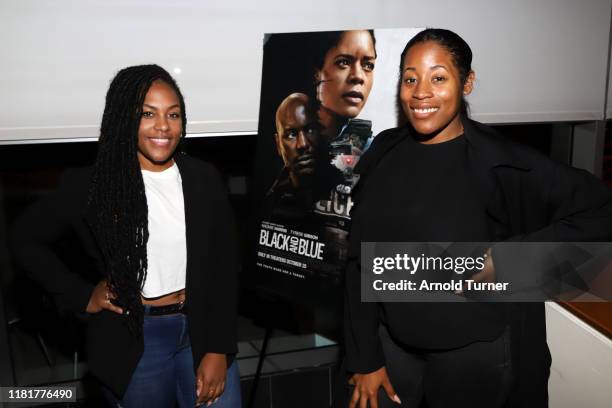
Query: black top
[
  {"x": 430, "y": 198},
  {"x": 211, "y": 279}
]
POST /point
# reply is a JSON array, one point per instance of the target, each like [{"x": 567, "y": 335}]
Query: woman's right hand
[
  {"x": 366, "y": 388},
  {"x": 101, "y": 299}
]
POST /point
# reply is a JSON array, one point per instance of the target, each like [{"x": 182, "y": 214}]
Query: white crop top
[{"x": 167, "y": 245}]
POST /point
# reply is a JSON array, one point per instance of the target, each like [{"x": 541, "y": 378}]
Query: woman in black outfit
[
  {"x": 443, "y": 178},
  {"x": 158, "y": 226}
]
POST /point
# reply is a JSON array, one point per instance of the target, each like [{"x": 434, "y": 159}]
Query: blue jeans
[{"x": 164, "y": 376}]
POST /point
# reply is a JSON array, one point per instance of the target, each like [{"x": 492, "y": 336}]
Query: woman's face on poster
[{"x": 345, "y": 81}]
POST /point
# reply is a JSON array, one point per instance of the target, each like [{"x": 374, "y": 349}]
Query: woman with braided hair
[{"x": 159, "y": 227}]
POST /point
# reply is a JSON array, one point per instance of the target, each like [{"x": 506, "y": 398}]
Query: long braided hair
[{"x": 117, "y": 192}]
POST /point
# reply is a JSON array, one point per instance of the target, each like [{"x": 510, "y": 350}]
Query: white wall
[
  {"x": 539, "y": 60},
  {"x": 581, "y": 372}
]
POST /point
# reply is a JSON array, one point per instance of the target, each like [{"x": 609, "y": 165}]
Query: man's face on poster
[{"x": 297, "y": 138}]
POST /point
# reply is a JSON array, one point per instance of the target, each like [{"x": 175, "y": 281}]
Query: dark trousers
[{"x": 478, "y": 375}]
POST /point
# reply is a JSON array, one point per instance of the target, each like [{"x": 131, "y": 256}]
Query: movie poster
[{"x": 324, "y": 97}]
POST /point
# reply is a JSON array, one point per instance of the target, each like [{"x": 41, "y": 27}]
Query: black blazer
[
  {"x": 527, "y": 197},
  {"x": 211, "y": 281}
]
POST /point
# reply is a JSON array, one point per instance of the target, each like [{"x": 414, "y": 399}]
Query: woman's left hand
[
  {"x": 210, "y": 378},
  {"x": 488, "y": 272}
]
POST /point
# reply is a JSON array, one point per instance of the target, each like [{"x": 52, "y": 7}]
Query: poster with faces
[{"x": 324, "y": 98}]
